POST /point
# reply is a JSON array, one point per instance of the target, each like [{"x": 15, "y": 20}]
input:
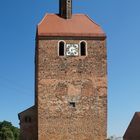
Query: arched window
[
  {"x": 83, "y": 48},
  {"x": 61, "y": 48}
]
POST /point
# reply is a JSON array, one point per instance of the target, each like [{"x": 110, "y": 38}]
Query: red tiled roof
[
  {"x": 78, "y": 25},
  {"x": 133, "y": 130}
]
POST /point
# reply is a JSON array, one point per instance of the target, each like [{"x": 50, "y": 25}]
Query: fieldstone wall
[{"x": 61, "y": 81}]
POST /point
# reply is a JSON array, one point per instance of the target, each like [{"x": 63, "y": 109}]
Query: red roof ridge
[
  {"x": 92, "y": 20},
  {"x": 78, "y": 25},
  {"x": 43, "y": 19},
  {"x": 78, "y": 14}
]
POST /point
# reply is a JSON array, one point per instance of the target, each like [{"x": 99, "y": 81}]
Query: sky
[{"x": 120, "y": 20}]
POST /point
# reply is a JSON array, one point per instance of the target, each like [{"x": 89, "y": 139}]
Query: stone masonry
[{"x": 61, "y": 80}]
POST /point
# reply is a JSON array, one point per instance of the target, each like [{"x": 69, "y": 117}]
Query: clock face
[{"x": 72, "y": 49}]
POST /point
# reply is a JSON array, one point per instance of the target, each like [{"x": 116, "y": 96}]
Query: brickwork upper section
[{"x": 78, "y": 25}]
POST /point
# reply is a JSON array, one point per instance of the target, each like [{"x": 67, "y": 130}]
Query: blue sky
[{"x": 120, "y": 20}]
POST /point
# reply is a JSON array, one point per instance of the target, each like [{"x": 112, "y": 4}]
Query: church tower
[{"x": 70, "y": 79}]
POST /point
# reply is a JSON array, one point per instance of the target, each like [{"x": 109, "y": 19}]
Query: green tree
[
  {"x": 16, "y": 133},
  {"x": 8, "y": 131}
]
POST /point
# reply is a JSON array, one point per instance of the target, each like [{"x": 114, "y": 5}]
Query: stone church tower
[{"x": 70, "y": 80}]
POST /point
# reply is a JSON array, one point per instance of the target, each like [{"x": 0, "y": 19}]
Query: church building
[{"x": 70, "y": 79}]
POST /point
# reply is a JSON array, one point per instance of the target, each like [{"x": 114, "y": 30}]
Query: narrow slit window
[
  {"x": 61, "y": 48},
  {"x": 28, "y": 119},
  {"x": 83, "y": 48},
  {"x": 72, "y": 104}
]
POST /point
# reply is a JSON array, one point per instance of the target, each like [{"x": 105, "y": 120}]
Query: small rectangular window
[{"x": 72, "y": 104}]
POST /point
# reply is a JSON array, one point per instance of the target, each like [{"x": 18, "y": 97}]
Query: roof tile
[{"x": 78, "y": 25}]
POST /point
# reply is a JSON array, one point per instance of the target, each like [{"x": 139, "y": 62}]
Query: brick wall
[
  {"x": 61, "y": 80},
  {"x": 28, "y": 124}
]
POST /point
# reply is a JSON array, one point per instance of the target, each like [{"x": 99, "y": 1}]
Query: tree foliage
[{"x": 8, "y": 131}]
